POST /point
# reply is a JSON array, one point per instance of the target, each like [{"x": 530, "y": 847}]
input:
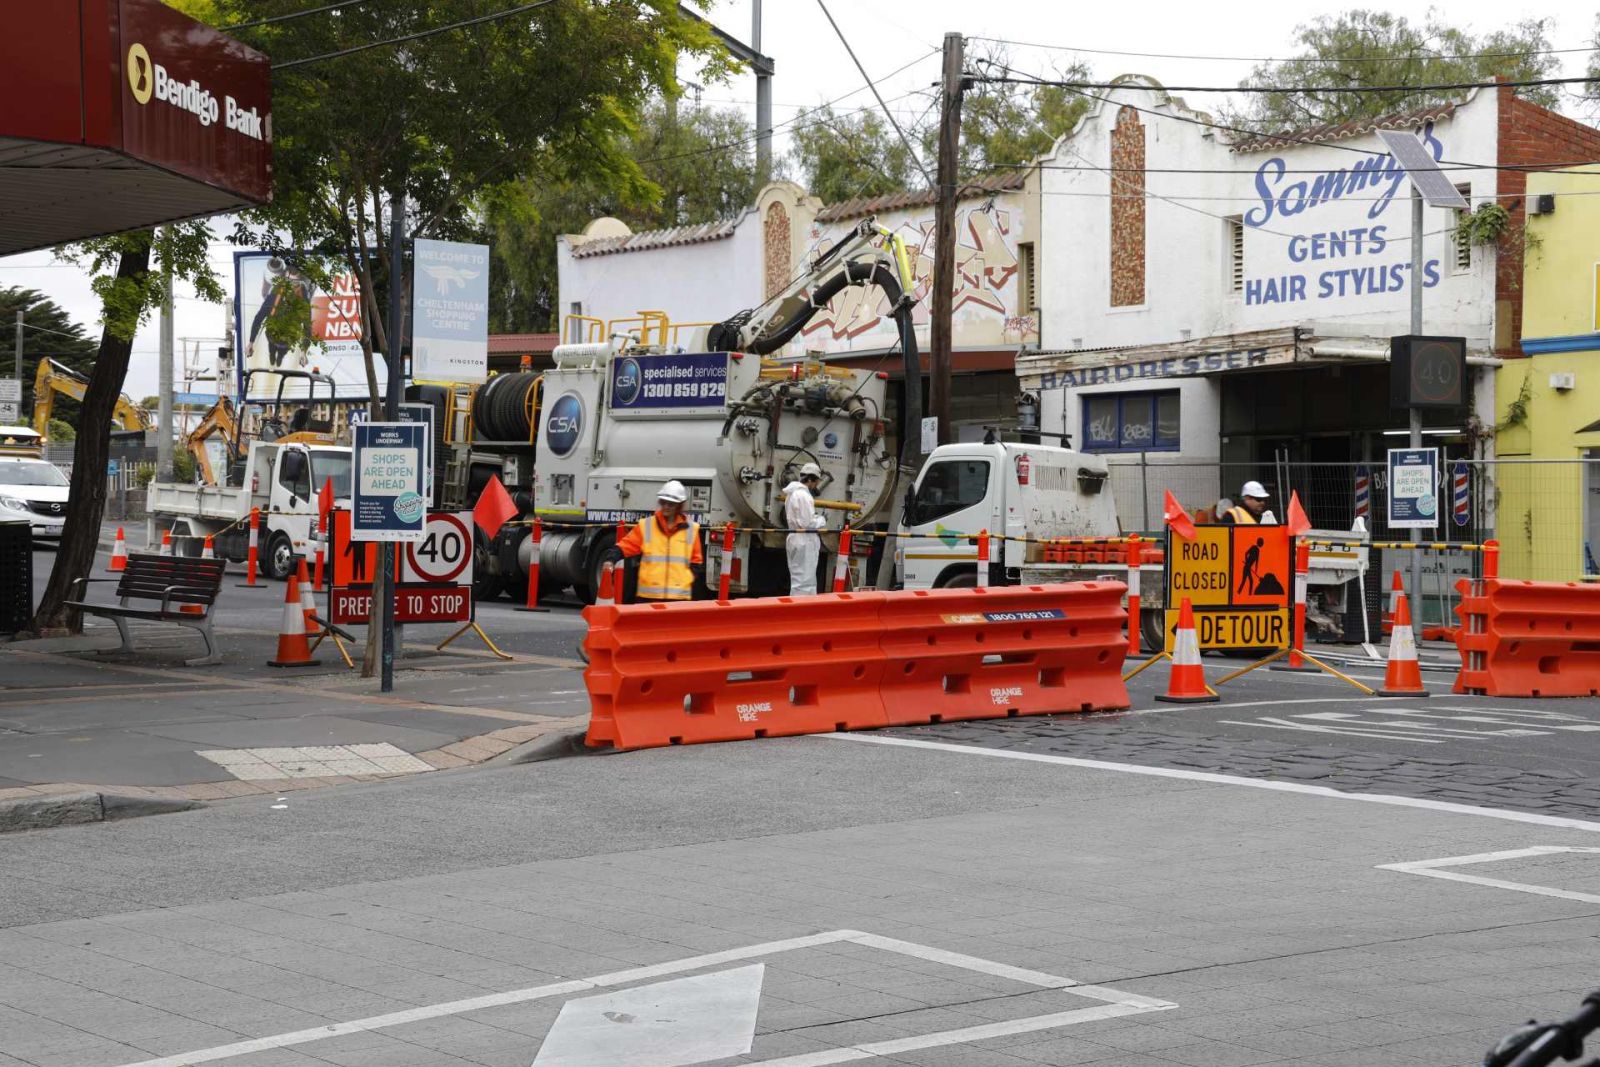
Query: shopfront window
[{"x": 1131, "y": 422}]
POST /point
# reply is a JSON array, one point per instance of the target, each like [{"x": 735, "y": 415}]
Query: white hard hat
[
  {"x": 1255, "y": 489},
  {"x": 811, "y": 470},
  {"x": 673, "y": 492}
]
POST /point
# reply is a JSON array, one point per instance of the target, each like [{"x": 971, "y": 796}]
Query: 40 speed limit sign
[{"x": 444, "y": 554}]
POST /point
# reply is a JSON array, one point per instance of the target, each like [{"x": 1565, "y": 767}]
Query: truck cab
[{"x": 1016, "y": 490}]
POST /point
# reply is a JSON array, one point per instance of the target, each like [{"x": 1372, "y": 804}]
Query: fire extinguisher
[{"x": 1024, "y": 468}]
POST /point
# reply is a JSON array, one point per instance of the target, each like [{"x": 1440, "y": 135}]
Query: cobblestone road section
[{"x": 1122, "y": 739}]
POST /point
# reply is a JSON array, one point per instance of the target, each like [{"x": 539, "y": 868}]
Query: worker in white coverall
[{"x": 803, "y": 544}]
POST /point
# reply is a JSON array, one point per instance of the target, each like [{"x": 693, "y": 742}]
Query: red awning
[{"x": 125, "y": 114}]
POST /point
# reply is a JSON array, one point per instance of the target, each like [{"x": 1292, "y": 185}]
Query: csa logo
[
  {"x": 564, "y": 424},
  {"x": 629, "y": 381},
  {"x": 141, "y": 73}
]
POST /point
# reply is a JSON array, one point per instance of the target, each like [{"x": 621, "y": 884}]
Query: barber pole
[
  {"x": 1461, "y": 505},
  {"x": 841, "y": 562},
  {"x": 983, "y": 558},
  {"x": 1363, "y": 493},
  {"x": 1134, "y": 551},
  {"x": 725, "y": 580}
]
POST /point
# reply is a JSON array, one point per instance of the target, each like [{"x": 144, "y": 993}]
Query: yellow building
[{"x": 1548, "y": 423}]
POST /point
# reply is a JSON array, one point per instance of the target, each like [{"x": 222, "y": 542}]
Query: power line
[
  {"x": 1283, "y": 59},
  {"x": 797, "y": 117},
  {"x": 1306, "y": 89},
  {"x": 419, "y": 35},
  {"x": 912, "y": 152},
  {"x": 292, "y": 15}
]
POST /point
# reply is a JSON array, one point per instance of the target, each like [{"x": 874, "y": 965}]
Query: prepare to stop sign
[{"x": 434, "y": 572}]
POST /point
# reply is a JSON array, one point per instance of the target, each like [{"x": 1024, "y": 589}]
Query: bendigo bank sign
[{"x": 194, "y": 100}]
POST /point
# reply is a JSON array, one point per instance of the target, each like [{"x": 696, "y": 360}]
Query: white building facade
[
  {"x": 702, "y": 274},
  {"x": 1218, "y": 307}
]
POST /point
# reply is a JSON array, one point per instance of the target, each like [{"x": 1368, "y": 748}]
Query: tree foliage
[
  {"x": 1004, "y": 124},
  {"x": 48, "y": 333},
  {"x": 460, "y": 121},
  {"x": 1379, "y": 48},
  {"x": 697, "y": 164},
  {"x": 130, "y": 274},
  {"x": 843, "y": 155}
]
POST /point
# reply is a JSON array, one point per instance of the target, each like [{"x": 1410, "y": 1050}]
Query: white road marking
[
  {"x": 674, "y": 1023},
  {"x": 1427, "y": 725},
  {"x": 1229, "y": 779},
  {"x": 1113, "y": 1001},
  {"x": 1435, "y": 869}
]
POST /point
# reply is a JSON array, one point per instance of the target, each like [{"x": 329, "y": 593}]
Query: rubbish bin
[{"x": 16, "y": 576}]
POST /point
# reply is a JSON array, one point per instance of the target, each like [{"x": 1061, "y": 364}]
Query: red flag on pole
[
  {"x": 1298, "y": 523},
  {"x": 324, "y": 503},
  {"x": 494, "y": 507},
  {"x": 1177, "y": 518}
]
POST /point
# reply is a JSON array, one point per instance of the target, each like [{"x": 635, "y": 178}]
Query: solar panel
[{"x": 1434, "y": 185}]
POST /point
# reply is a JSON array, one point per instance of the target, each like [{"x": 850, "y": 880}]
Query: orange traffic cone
[
  {"x": 1187, "y": 683},
  {"x": 119, "y": 554},
  {"x": 166, "y": 541},
  {"x": 209, "y": 551},
  {"x": 1403, "y": 678},
  {"x": 293, "y": 649},
  {"x": 1397, "y": 589},
  {"x": 605, "y": 596},
  {"x": 308, "y": 603}
]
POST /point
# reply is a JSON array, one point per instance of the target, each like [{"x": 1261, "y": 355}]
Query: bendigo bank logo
[
  {"x": 564, "y": 424},
  {"x": 141, "y": 73},
  {"x": 149, "y": 80}
]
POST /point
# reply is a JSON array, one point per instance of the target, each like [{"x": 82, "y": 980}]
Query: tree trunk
[{"x": 81, "y": 537}]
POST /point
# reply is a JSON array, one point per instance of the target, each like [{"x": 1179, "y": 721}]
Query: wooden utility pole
[{"x": 944, "y": 236}]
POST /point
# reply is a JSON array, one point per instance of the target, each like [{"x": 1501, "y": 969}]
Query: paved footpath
[{"x": 876, "y": 898}]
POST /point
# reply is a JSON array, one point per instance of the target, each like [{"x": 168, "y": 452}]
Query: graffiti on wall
[{"x": 984, "y": 303}]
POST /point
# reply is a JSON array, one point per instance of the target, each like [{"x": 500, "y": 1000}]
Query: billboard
[
  {"x": 449, "y": 312},
  {"x": 325, "y": 335}
]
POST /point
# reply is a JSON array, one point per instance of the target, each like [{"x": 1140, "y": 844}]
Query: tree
[
  {"x": 129, "y": 287},
  {"x": 842, "y": 156},
  {"x": 47, "y": 332},
  {"x": 1365, "y": 47},
  {"x": 448, "y": 125},
  {"x": 697, "y": 165},
  {"x": 1006, "y": 125}
]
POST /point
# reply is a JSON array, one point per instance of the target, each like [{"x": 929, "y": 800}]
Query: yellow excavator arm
[
  {"x": 220, "y": 420},
  {"x": 54, "y": 378}
]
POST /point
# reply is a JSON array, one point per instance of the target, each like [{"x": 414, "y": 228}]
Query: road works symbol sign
[{"x": 1238, "y": 580}]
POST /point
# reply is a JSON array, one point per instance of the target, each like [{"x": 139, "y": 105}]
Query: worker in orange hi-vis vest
[{"x": 667, "y": 545}]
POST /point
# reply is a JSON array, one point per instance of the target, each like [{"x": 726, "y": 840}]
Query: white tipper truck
[
  {"x": 1031, "y": 493},
  {"x": 618, "y": 418},
  {"x": 280, "y": 479}
]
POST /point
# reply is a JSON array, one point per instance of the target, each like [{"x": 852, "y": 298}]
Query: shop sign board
[{"x": 1413, "y": 488}]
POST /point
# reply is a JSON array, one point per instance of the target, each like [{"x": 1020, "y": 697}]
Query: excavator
[
  {"x": 220, "y": 443},
  {"x": 54, "y": 378}
]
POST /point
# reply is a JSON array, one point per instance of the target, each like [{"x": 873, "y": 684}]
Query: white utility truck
[
  {"x": 281, "y": 479},
  {"x": 1031, "y": 493}
]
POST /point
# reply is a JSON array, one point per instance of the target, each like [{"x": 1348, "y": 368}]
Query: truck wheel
[
  {"x": 1152, "y": 629},
  {"x": 964, "y": 578},
  {"x": 279, "y": 561}
]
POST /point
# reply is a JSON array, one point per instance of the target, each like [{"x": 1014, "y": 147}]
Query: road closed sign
[{"x": 1237, "y": 579}]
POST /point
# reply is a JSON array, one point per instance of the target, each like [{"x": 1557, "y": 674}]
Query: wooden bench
[{"x": 184, "y": 587}]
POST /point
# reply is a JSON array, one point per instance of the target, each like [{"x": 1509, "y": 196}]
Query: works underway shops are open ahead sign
[{"x": 1238, "y": 579}]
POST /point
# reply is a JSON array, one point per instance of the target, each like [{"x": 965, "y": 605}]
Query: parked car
[{"x": 33, "y": 491}]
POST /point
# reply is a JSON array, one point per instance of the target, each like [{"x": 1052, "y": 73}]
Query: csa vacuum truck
[{"x": 616, "y": 419}]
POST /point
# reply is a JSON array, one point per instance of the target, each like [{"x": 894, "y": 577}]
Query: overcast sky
[{"x": 812, "y": 66}]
